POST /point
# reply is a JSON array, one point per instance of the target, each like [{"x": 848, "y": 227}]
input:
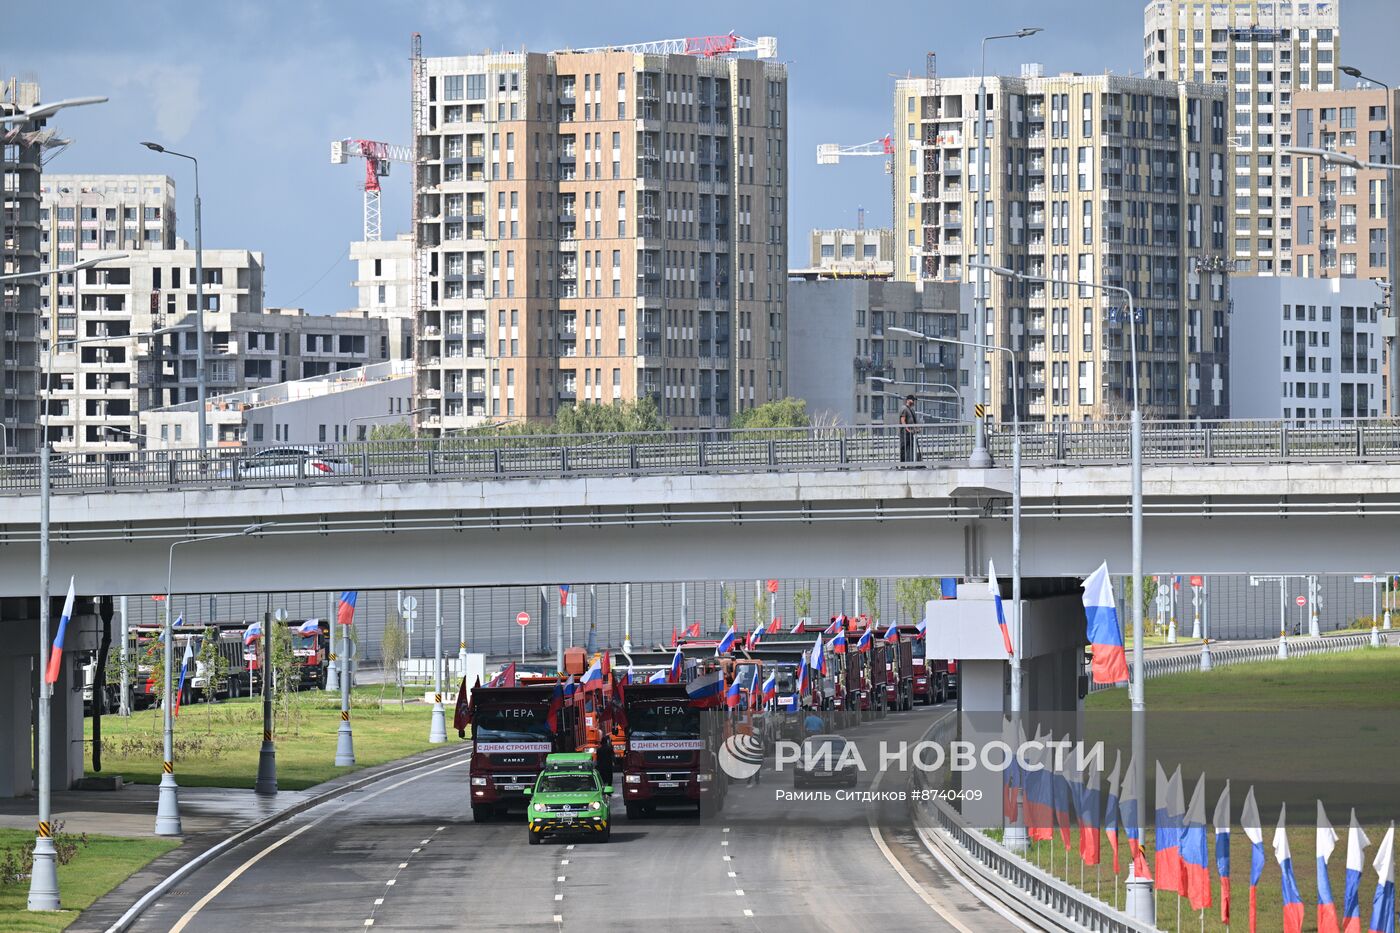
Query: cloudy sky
[{"x": 258, "y": 90}]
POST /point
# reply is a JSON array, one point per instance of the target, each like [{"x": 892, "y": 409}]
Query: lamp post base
[
  {"x": 267, "y": 770},
  {"x": 1282, "y": 648},
  {"x": 1205, "y": 655},
  {"x": 981, "y": 459},
  {"x": 1141, "y": 903},
  {"x": 333, "y": 677},
  {"x": 437, "y": 734},
  {"x": 168, "y": 807},
  {"x": 43, "y": 877},
  {"x": 344, "y": 745},
  {"x": 1375, "y": 637},
  {"x": 1014, "y": 838}
]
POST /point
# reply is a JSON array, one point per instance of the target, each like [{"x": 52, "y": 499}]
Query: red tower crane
[{"x": 377, "y": 157}]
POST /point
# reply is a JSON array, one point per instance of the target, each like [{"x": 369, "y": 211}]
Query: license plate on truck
[
  {"x": 568, "y": 817},
  {"x": 668, "y": 784},
  {"x": 513, "y": 786}
]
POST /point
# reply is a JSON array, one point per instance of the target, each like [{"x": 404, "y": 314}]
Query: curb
[{"x": 134, "y": 912}]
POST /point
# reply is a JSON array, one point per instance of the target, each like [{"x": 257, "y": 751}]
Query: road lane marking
[
  {"x": 417, "y": 850},
  {"x": 369, "y": 922},
  {"x": 262, "y": 853},
  {"x": 558, "y": 897},
  {"x": 733, "y": 874},
  {"x": 747, "y": 912},
  {"x": 739, "y": 891},
  {"x": 729, "y": 858},
  {"x": 403, "y": 864},
  {"x": 725, "y": 842},
  {"x": 379, "y": 902},
  {"x": 439, "y": 829},
  {"x": 563, "y": 861},
  {"x": 558, "y": 918},
  {"x": 391, "y": 882},
  {"x": 560, "y": 879},
  {"x": 425, "y": 842}
]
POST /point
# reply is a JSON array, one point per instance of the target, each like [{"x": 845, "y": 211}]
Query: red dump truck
[
  {"x": 666, "y": 758},
  {"x": 511, "y": 735}
]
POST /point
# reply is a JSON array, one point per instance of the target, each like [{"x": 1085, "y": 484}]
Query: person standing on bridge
[{"x": 908, "y": 432}]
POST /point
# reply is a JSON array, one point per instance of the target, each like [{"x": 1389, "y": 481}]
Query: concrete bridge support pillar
[{"x": 16, "y": 716}]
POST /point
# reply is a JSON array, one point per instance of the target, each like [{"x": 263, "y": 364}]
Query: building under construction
[
  {"x": 600, "y": 225},
  {"x": 22, "y": 145}
]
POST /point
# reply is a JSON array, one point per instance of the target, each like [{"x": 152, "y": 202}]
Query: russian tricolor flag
[
  {"x": 1110, "y": 664},
  {"x": 922, "y": 630},
  {"x": 819, "y": 656},
  {"x": 309, "y": 627},
  {"x": 345, "y": 610},
  {"x": 56, "y": 654},
  {"x": 1039, "y": 794},
  {"x": 706, "y": 690},
  {"x": 838, "y": 642},
  {"x": 1089, "y": 847},
  {"x": 1110, "y": 812},
  {"x": 754, "y": 636},
  {"x": 1194, "y": 852},
  {"x": 837, "y": 623},
  {"x": 734, "y": 694},
  {"x": 594, "y": 674},
  {"x": 770, "y": 687},
  {"x": 1062, "y": 801},
  {"x": 1168, "y": 855},
  {"x": 1357, "y": 842},
  {"x": 1292, "y": 900},
  {"x": 726, "y": 644},
  {"x": 801, "y": 680},
  {"x": 995, "y": 590},
  {"x": 1383, "y": 904},
  {"x": 1254, "y": 830},
  {"x": 184, "y": 669},
  {"x": 892, "y": 633},
  {"x": 1132, "y": 816},
  {"x": 253, "y": 633},
  {"x": 563, "y": 595},
  {"x": 658, "y": 677},
  {"x": 867, "y": 638},
  {"x": 1221, "y": 819},
  {"x": 1326, "y": 842}
]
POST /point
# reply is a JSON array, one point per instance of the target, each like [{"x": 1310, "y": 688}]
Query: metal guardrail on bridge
[{"x": 508, "y": 456}]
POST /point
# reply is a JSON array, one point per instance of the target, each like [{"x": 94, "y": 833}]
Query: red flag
[
  {"x": 462, "y": 715},
  {"x": 693, "y": 631},
  {"x": 775, "y": 626},
  {"x": 606, "y": 667}
]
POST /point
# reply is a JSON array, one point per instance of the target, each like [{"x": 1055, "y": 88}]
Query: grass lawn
[
  {"x": 97, "y": 868},
  {"x": 217, "y": 745},
  {"x": 1262, "y": 724},
  {"x": 1160, "y": 641}
]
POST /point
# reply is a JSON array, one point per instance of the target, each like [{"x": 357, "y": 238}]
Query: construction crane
[
  {"x": 706, "y": 46},
  {"x": 377, "y": 157},
  {"x": 832, "y": 153}
]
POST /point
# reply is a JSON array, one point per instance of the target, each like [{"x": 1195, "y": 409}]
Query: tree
[
  {"x": 783, "y": 413},
  {"x": 214, "y": 664},
  {"x": 760, "y": 607},
  {"x": 911, "y": 593},
  {"x": 802, "y": 603},
  {"x": 1149, "y": 594},
  {"x": 870, "y": 597},
  {"x": 730, "y": 601},
  {"x": 393, "y": 647},
  {"x": 286, "y": 673},
  {"x": 394, "y": 431}
]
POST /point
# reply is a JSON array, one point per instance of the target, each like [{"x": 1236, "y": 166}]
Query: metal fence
[
  {"x": 494, "y": 456},
  {"x": 1244, "y": 654}
]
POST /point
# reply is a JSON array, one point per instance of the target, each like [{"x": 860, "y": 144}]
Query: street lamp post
[
  {"x": 1141, "y": 902},
  {"x": 167, "y": 800},
  {"x": 43, "y": 877},
  {"x": 1015, "y": 835},
  {"x": 956, "y": 392},
  {"x": 198, "y": 296},
  {"x": 981, "y": 459}
]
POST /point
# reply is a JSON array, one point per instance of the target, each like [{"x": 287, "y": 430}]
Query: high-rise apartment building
[
  {"x": 21, "y": 165},
  {"x": 598, "y": 226},
  {"x": 1343, "y": 225},
  {"x": 1264, "y": 52},
  {"x": 1113, "y": 180},
  {"x": 108, "y": 213}
]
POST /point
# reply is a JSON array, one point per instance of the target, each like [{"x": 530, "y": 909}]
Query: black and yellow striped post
[{"x": 45, "y": 829}]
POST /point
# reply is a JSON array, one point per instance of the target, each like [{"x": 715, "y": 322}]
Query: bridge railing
[{"x": 709, "y": 451}]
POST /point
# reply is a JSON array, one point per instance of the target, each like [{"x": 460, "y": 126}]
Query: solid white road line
[{"x": 272, "y": 847}]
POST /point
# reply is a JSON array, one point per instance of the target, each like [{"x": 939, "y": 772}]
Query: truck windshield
[
  {"x": 567, "y": 784},
  {"x": 668, "y": 720},
  {"x": 919, "y": 647},
  {"x": 787, "y": 683},
  {"x": 307, "y": 642},
  {"x": 511, "y": 724}
]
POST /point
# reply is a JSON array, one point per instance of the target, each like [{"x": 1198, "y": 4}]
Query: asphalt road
[{"x": 404, "y": 854}]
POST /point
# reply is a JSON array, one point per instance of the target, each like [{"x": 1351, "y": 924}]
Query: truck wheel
[
  {"x": 533, "y": 836},
  {"x": 634, "y": 811},
  {"x": 483, "y": 815}
]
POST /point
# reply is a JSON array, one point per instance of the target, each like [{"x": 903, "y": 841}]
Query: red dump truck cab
[
  {"x": 666, "y": 758},
  {"x": 899, "y": 671},
  {"x": 511, "y": 735}
]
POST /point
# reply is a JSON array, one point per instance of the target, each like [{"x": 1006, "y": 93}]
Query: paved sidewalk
[{"x": 131, "y": 811}]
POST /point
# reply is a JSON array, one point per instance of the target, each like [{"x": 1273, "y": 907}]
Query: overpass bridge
[{"x": 1225, "y": 497}]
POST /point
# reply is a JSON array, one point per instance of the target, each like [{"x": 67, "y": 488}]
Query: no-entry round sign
[
  {"x": 523, "y": 619},
  {"x": 1301, "y": 601}
]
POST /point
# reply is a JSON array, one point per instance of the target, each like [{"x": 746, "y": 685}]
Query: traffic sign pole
[
  {"x": 522, "y": 619},
  {"x": 437, "y": 732},
  {"x": 1205, "y": 628},
  {"x": 332, "y": 662},
  {"x": 462, "y": 632}
]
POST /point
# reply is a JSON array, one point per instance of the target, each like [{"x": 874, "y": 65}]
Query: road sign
[
  {"x": 1301, "y": 601},
  {"x": 1364, "y": 578},
  {"x": 159, "y": 599},
  {"x": 772, "y": 586},
  {"x": 1198, "y": 581},
  {"x": 410, "y": 603},
  {"x": 280, "y": 615},
  {"x": 522, "y": 619}
]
